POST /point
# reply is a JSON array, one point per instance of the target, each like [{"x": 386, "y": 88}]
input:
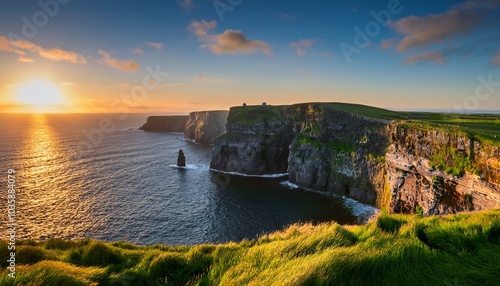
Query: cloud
[
  {"x": 59, "y": 55},
  {"x": 302, "y": 46},
  {"x": 285, "y": 16},
  {"x": 426, "y": 30},
  {"x": 235, "y": 42},
  {"x": 229, "y": 42},
  {"x": 201, "y": 28},
  {"x": 478, "y": 4},
  {"x": 207, "y": 79},
  {"x": 496, "y": 59},
  {"x": 125, "y": 65},
  {"x": 24, "y": 59},
  {"x": 5, "y": 45},
  {"x": 54, "y": 54},
  {"x": 155, "y": 45},
  {"x": 186, "y": 4},
  {"x": 435, "y": 57},
  {"x": 387, "y": 44},
  {"x": 138, "y": 51},
  {"x": 303, "y": 72}
]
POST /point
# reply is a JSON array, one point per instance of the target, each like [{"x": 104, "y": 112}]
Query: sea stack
[{"x": 181, "y": 160}]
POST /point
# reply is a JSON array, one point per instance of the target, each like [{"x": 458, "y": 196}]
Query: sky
[{"x": 177, "y": 56}]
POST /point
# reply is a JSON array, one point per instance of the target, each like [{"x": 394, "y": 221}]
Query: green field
[{"x": 460, "y": 249}]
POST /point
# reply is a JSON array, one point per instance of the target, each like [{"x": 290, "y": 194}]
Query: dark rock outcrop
[
  {"x": 181, "y": 160},
  {"x": 204, "y": 126},
  {"x": 175, "y": 123},
  {"x": 384, "y": 163}
]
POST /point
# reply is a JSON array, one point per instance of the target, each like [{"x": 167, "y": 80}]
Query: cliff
[
  {"x": 256, "y": 141},
  {"x": 396, "y": 161},
  {"x": 175, "y": 123},
  {"x": 204, "y": 126}
]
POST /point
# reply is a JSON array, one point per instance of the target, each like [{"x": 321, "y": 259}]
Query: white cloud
[
  {"x": 138, "y": 51},
  {"x": 387, "y": 44},
  {"x": 229, "y": 42},
  {"x": 155, "y": 45},
  {"x": 54, "y": 54},
  {"x": 186, "y": 4},
  {"x": 426, "y": 30},
  {"x": 302, "y": 46},
  {"x": 201, "y": 28},
  {"x": 435, "y": 57}
]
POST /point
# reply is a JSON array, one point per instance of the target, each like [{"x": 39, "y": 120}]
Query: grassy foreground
[{"x": 453, "y": 250}]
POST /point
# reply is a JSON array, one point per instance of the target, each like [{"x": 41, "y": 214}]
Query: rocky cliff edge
[{"x": 376, "y": 156}]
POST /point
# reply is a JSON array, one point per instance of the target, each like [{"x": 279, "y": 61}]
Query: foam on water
[{"x": 187, "y": 167}]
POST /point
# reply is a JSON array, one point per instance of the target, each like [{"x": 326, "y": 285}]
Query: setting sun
[{"x": 39, "y": 93}]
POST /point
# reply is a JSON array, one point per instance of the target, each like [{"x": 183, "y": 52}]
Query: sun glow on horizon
[{"x": 39, "y": 95}]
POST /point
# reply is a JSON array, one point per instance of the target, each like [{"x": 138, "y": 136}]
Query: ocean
[{"x": 97, "y": 176}]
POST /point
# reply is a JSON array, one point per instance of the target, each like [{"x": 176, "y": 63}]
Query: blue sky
[{"x": 417, "y": 55}]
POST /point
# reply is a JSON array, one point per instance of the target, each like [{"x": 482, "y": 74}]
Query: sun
[{"x": 40, "y": 93}]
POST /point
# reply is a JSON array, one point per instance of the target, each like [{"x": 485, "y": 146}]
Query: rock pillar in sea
[{"x": 181, "y": 160}]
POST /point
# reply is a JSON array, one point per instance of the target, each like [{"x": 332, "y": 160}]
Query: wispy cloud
[
  {"x": 496, "y": 59},
  {"x": 478, "y": 4},
  {"x": 125, "y": 65},
  {"x": 5, "y": 45},
  {"x": 138, "y": 51},
  {"x": 54, "y": 54},
  {"x": 435, "y": 57},
  {"x": 207, "y": 79},
  {"x": 302, "y": 46},
  {"x": 285, "y": 16},
  {"x": 229, "y": 42},
  {"x": 426, "y": 30},
  {"x": 186, "y": 4},
  {"x": 24, "y": 59},
  {"x": 155, "y": 45},
  {"x": 59, "y": 55},
  {"x": 387, "y": 44}
]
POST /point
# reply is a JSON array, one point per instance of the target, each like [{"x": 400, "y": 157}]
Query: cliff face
[
  {"x": 440, "y": 172},
  {"x": 337, "y": 151},
  {"x": 165, "y": 123},
  {"x": 256, "y": 141},
  {"x": 204, "y": 126},
  {"x": 390, "y": 164}
]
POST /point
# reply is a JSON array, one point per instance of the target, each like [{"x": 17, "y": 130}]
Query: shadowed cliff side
[
  {"x": 176, "y": 123},
  {"x": 204, "y": 126},
  {"x": 256, "y": 141}
]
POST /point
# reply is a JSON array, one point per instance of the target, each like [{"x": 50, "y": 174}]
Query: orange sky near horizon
[{"x": 161, "y": 57}]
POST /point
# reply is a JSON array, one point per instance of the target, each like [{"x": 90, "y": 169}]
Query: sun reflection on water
[{"x": 48, "y": 202}]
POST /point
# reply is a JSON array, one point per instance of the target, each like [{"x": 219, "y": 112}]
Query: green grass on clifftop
[
  {"x": 460, "y": 249},
  {"x": 368, "y": 111},
  {"x": 256, "y": 113}
]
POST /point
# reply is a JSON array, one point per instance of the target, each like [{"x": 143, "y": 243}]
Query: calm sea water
[{"x": 74, "y": 181}]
